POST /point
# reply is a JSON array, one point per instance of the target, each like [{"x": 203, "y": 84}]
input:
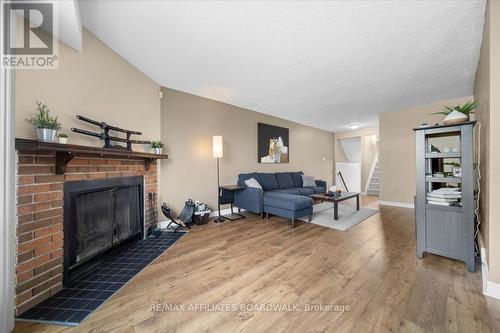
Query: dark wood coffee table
[{"x": 336, "y": 199}]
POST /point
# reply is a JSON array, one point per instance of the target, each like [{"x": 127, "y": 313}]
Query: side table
[{"x": 226, "y": 196}]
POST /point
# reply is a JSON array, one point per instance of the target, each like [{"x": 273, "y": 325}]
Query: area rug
[
  {"x": 348, "y": 216},
  {"x": 85, "y": 294}
]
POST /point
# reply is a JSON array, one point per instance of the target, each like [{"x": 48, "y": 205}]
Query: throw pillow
[
  {"x": 308, "y": 181},
  {"x": 252, "y": 182}
]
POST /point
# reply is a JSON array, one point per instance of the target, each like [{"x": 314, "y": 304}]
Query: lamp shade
[{"x": 217, "y": 146}]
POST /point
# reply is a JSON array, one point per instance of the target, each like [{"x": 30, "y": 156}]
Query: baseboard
[
  {"x": 490, "y": 288},
  {"x": 163, "y": 224},
  {"x": 226, "y": 211},
  {"x": 484, "y": 264},
  {"x": 395, "y": 204}
]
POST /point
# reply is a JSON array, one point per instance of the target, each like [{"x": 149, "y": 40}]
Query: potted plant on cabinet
[
  {"x": 63, "y": 138},
  {"x": 157, "y": 146},
  {"x": 46, "y": 127},
  {"x": 458, "y": 114}
]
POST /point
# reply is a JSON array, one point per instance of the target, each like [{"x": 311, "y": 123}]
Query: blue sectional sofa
[{"x": 282, "y": 194}]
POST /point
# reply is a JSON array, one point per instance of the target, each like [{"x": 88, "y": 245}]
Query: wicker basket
[{"x": 200, "y": 218}]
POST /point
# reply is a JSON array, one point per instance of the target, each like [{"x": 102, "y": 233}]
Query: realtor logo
[{"x": 28, "y": 35}]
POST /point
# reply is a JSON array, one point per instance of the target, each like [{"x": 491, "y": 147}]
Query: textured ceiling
[{"x": 324, "y": 64}]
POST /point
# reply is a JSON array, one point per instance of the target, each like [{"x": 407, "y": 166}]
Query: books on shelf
[
  {"x": 446, "y": 190},
  {"x": 439, "y": 203},
  {"x": 444, "y": 197}
]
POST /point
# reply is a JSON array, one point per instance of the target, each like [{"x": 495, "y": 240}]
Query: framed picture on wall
[{"x": 272, "y": 144}]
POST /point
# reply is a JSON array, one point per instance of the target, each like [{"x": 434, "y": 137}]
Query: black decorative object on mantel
[{"x": 106, "y": 137}]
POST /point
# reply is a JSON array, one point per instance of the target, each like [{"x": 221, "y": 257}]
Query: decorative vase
[
  {"x": 63, "y": 140},
  {"x": 46, "y": 134},
  {"x": 455, "y": 118},
  {"x": 456, "y": 171},
  {"x": 157, "y": 150}
]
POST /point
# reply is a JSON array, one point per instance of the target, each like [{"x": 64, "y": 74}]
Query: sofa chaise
[{"x": 282, "y": 194}]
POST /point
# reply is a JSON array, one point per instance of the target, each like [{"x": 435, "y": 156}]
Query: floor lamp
[{"x": 217, "y": 151}]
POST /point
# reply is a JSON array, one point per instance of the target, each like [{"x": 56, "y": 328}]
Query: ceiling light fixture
[{"x": 353, "y": 125}]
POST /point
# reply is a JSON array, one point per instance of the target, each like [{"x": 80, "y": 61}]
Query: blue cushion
[
  {"x": 317, "y": 189},
  {"x": 245, "y": 176},
  {"x": 297, "y": 178},
  {"x": 269, "y": 181},
  {"x": 289, "y": 214},
  {"x": 288, "y": 190},
  {"x": 284, "y": 180},
  {"x": 287, "y": 201},
  {"x": 304, "y": 190}
]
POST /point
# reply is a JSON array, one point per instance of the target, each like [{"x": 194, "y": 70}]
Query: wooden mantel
[{"x": 66, "y": 152}]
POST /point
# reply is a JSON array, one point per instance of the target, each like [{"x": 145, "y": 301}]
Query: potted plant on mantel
[
  {"x": 63, "y": 138},
  {"x": 46, "y": 127},
  {"x": 458, "y": 114},
  {"x": 157, "y": 146}
]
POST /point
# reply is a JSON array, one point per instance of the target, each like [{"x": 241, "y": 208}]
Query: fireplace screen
[{"x": 99, "y": 216}]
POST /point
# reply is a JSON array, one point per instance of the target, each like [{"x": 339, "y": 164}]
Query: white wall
[
  {"x": 352, "y": 175},
  {"x": 352, "y": 149}
]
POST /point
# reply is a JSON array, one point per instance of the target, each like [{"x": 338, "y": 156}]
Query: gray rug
[{"x": 348, "y": 216}]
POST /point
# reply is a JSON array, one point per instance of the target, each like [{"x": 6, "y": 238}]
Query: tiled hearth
[
  {"x": 86, "y": 293},
  {"x": 40, "y": 215}
]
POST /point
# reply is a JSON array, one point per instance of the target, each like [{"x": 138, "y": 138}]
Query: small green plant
[
  {"x": 466, "y": 109},
  {"x": 453, "y": 164},
  {"x": 62, "y": 135},
  {"x": 42, "y": 118},
  {"x": 156, "y": 144}
]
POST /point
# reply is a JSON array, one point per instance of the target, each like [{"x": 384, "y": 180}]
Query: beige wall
[
  {"x": 188, "y": 124},
  {"x": 487, "y": 90},
  {"x": 397, "y": 148},
  {"x": 97, "y": 83},
  {"x": 368, "y": 138}
]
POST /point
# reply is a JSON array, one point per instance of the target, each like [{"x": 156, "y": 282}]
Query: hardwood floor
[{"x": 372, "y": 268}]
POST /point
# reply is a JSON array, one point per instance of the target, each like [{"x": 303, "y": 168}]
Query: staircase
[{"x": 374, "y": 185}]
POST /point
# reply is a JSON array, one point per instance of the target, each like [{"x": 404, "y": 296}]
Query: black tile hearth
[{"x": 86, "y": 293}]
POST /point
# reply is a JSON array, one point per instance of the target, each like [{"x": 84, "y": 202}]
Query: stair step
[{"x": 374, "y": 184}]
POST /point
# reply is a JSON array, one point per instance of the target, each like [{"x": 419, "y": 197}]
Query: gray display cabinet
[{"x": 445, "y": 230}]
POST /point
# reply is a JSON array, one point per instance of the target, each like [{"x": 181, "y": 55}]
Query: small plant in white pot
[
  {"x": 458, "y": 114},
  {"x": 46, "y": 127},
  {"x": 157, "y": 146},
  {"x": 63, "y": 138}
]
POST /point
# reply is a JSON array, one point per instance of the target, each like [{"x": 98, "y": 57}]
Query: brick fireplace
[{"x": 40, "y": 211}]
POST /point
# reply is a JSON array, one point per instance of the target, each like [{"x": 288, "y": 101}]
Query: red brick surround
[{"x": 40, "y": 215}]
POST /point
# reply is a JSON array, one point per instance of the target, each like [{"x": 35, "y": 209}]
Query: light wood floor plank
[{"x": 372, "y": 268}]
